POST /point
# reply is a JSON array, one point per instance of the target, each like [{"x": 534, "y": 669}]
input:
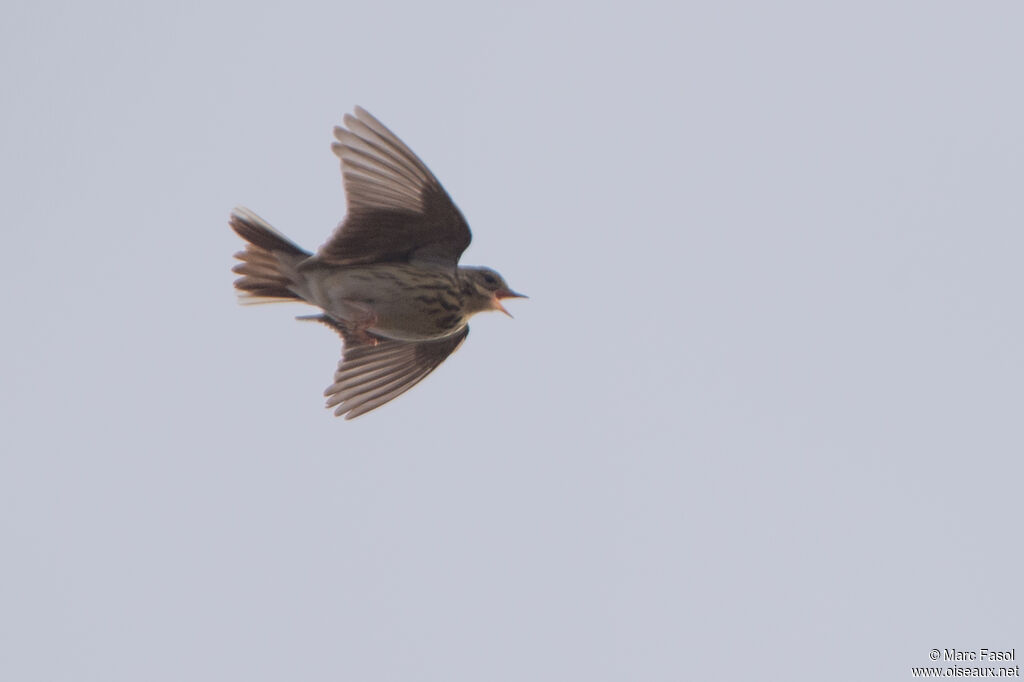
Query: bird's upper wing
[
  {"x": 397, "y": 209},
  {"x": 370, "y": 375}
]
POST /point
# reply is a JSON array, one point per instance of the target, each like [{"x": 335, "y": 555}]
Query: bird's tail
[{"x": 269, "y": 261}]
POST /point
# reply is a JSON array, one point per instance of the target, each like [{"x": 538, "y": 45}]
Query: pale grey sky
[{"x": 760, "y": 419}]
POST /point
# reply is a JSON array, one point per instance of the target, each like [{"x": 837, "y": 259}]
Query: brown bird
[{"x": 388, "y": 280}]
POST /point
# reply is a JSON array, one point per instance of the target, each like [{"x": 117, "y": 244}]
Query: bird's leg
[
  {"x": 353, "y": 331},
  {"x": 364, "y": 319}
]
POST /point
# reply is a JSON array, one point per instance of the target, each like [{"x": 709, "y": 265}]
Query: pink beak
[{"x": 505, "y": 293}]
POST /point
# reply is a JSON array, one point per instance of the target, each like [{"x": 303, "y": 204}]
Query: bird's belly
[{"x": 396, "y": 302}]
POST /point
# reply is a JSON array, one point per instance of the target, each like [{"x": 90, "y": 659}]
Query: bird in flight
[{"x": 388, "y": 280}]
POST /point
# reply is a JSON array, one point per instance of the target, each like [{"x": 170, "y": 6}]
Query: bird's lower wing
[{"x": 370, "y": 375}]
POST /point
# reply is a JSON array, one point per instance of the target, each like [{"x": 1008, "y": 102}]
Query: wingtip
[
  {"x": 243, "y": 213},
  {"x": 368, "y": 119}
]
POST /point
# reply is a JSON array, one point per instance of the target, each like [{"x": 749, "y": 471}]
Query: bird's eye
[{"x": 490, "y": 279}]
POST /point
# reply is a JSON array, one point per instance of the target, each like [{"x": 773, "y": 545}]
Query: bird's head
[{"x": 487, "y": 288}]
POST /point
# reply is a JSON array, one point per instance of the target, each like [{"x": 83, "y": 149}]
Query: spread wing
[
  {"x": 370, "y": 375},
  {"x": 397, "y": 209}
]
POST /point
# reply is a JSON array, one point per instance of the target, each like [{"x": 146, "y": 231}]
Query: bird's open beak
[{"x": 505, "y": 293}]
